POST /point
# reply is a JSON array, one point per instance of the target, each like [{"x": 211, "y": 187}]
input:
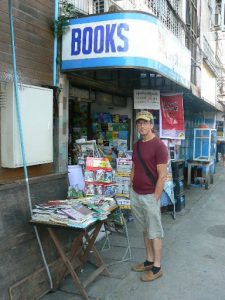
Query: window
[{"x": 192, "y": 34}]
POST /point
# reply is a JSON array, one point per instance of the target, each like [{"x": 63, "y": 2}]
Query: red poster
[{"x": 172, "y": 116}]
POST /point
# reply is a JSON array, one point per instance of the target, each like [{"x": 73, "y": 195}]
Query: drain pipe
[
  {"x": 56, "y": 14},
  {"x": 21, "y": 135}
]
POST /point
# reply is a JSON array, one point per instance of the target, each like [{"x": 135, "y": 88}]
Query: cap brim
[{"x": 143, "y": 118}]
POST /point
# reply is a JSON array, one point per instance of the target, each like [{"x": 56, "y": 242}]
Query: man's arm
[{"x": 162, "y": 172}]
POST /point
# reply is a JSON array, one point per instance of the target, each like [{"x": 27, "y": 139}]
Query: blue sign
[{"x": 125, "y": 39}]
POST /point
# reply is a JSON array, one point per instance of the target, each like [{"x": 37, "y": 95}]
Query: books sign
[
  {"x": 146, "y": 99},
  {"x": 118, "y": 40}
]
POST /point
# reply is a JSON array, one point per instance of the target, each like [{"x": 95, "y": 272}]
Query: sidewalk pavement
[{"x": 193, "y": 256}]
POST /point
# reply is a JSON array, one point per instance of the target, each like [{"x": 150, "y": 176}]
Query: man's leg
[
  {"x": 156, "y": 270},
  {"x": 149, "y": 248},
  {"x": 139, "y": 218},
  {"x": 146, "y": 265},
  {"x": 157, "y": 246},
  {"x": 153, "y": 250},
  {"x": 153, "y": 241}
]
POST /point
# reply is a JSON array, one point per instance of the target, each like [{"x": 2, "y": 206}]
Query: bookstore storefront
[
  {"x": 109, "y": 63},
  {"x": 115, "y": 68}
]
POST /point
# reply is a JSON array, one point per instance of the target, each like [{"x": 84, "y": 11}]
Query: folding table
[
  {"x": 206, "y": 167},
  {"x": 79, "y": 251}
]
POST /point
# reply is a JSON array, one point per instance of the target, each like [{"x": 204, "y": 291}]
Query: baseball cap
[{"x": 144, "y": 115}]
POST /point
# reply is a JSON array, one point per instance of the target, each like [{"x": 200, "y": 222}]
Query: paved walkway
[{"x": 193, "y": 256}]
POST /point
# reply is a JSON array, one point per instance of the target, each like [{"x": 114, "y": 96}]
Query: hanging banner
[
  {"x": 172, "y": 117},
  {"x": 146, "y": 99}
]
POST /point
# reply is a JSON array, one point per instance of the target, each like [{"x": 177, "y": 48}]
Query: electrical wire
[
  {"x": 21, "y": 135},
  {"x": 56, "y": 13}
]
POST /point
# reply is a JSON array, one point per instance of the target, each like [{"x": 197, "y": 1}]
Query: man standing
[{"x": 145, "y": 194}]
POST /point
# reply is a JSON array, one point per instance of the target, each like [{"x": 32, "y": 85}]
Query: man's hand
[{"x": 162, "y": 172}]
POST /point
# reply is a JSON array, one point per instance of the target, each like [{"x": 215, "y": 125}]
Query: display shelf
[{"x": 204, "y": 144}]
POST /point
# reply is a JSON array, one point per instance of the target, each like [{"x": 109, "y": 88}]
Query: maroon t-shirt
[{"x": 153, "y": 152}]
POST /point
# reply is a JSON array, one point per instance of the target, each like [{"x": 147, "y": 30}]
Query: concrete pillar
[{"x": 61, "y": 126}]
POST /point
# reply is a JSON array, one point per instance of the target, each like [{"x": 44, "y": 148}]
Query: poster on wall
[
  {"x": 172, "y": 116},
  {"x": 146, "y": 99}
]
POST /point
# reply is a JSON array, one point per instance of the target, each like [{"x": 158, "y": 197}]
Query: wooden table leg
[
  {"x": 100, "y": 262},
  {"x": 68, "y": 264},
  {"x": 102, "y": 268},
  {"x": 90, "y": 239},
  {"x": 75, "y": 249}
]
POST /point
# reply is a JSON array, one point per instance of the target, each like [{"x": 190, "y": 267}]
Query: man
[{"x": 145, "y": 195}]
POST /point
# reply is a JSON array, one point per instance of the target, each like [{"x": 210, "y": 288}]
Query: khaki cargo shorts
[{"x": 147, "y": 214}]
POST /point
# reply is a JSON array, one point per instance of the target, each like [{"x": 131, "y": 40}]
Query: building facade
[
  {"x": 192, "y": 28},
  {"x": 34, "y": 40}
]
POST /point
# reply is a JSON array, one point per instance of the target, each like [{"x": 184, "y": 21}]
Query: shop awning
[{"x": 125, "y": 40}]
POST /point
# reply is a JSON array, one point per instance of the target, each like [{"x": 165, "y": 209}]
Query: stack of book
[
  {"x": 78, "y": 213},
  {"x": 122, "y": 179}
]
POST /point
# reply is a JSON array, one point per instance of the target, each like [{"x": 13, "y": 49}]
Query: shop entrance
[
  {"x": 101, "y": 107},
  {"x": 103, "y": 117}
]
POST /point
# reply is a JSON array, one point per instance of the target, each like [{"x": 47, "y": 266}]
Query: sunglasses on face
[{"x": 142, "y": 123}]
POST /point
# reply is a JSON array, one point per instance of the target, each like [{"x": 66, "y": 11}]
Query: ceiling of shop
[
  {"x": 195, "y": 104},
  {"x": 123, "y": 81}
]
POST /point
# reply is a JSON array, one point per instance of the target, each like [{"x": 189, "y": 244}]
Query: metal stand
[{"x": 106, "y": 245}]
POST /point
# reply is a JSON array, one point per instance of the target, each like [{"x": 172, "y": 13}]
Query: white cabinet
[{"x": 36, "y": 108}]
